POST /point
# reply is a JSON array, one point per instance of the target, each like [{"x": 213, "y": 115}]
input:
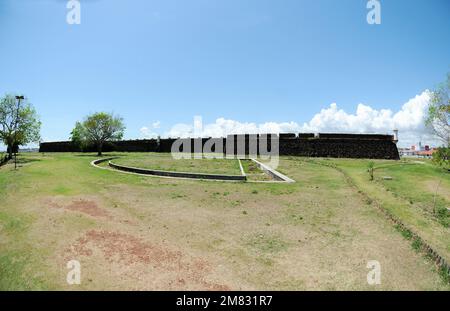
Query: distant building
[
  {"x": 417, "y": 151},
  {"x": 426, "y": 153},
  {"x": 407, "y": 152}
]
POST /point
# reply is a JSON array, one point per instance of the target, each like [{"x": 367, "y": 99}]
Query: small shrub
[
  {"x": 417, "y": 244},
  {"x": 444, "y": 274},
  {"x": 442, "y": 214},
  {"x": 441, "y": 158},
  {"x": 407, "y": 234}
]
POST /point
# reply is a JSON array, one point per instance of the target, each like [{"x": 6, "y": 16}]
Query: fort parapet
[{"x": 371, "y": 146}]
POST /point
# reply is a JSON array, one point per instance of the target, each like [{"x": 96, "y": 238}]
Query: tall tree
[
  {"x": 438, "y": 119},
  {"x": 97, "y": 129},
  {"x": 19, "y": 123},
  {"x": 77, "y": 136}
]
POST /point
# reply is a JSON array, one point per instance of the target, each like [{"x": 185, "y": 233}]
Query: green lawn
[
  {"x": 165, "y": 162},
  {"x": 141, "y": 232},
  {"x": 420, "y": 183}
]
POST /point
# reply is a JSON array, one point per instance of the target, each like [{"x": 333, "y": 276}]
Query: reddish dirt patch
[
  {"x": 87, "y": 207},
  {"x": 78, "y": 205},
  {"x": 130, "y": 251}
]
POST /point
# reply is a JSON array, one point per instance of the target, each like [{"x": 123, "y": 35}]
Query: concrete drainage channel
[{"x": 278, "y": 177}]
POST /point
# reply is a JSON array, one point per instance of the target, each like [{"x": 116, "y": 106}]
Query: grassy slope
[
  {"x": 424, "y": 185},
  {"x": 165, "y": 162},
  {"x": 408, "y": 195},
  {"x": 315, "y": 234}
]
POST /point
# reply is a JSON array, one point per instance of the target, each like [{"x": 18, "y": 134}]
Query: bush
[
  {"x": 442, "y": 215},
  {"x": 417, "y": 245},
  {"x": 406, "y": 233},
  {"x": 445, "y": 274},
  {"x": 441, "y": 157}
]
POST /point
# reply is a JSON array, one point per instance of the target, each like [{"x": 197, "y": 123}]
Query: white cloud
[
  {"x": 150, "y": 133},
  {"x": 180, "y": 130},
  {"x": 409, "y": 120},
  {"x": 156, "y": 125},
  {"x": 223, "y": 127},
  {"x": 367, "y": 119},
  {"x": 147, "y": 133}
]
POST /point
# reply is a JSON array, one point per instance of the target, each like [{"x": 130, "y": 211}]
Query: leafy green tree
[
  {"x": 438, "y": 119},
  {"x": 19, "y": 124},
  {"x": 77, "y": 136},
  {"x": 97, "y": 129}
]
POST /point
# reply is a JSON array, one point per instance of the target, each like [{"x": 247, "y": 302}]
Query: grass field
[
  {"x": 165, "y": 162},
  {"x": 138, "y": 232}
]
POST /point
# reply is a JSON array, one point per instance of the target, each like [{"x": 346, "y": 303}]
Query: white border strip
[
  {"x": 273, "y": 172},
  {"x": 242, "y": 169}
]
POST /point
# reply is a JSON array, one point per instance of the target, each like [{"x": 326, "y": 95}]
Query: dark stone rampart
[{"x": 372, "y": 146}]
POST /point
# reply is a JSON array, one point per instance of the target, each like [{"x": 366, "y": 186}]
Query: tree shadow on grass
[
  {"x": 94, "y": 155},
  {"x": 21, "y": 160},
  {"x": 90, "y": 155}
]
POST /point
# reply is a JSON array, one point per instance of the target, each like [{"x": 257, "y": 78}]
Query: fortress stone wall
[{"x": 371, "y": 146}]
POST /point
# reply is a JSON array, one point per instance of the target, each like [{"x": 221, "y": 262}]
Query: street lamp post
[{"x": 19, "y": 98}]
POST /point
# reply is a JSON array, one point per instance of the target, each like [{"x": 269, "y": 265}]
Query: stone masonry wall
[{"x": 304, "y": 144}]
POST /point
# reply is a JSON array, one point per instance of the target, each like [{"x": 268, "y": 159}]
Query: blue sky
[{"x": 242, "y": 60}]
